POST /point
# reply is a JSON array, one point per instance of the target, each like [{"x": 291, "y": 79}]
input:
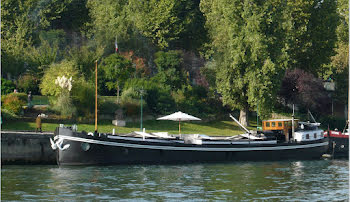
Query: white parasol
[{"x": 179, "y": 116}]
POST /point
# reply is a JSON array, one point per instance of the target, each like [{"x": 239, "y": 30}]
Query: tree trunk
[{"x": 243, "y": 117}]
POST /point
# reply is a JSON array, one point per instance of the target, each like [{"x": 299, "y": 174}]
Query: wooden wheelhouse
[{"x": 283, "y": 125}]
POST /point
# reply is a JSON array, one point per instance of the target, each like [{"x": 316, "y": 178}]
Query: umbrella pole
[{"x": 180, "y": 128}]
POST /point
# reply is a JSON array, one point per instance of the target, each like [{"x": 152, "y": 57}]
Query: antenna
[{"x": 312, "y": 117}]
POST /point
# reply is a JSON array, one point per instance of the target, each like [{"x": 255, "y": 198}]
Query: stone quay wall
[{"x": 26, "y": 148}]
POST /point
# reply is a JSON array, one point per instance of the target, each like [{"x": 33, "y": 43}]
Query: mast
[
  {"x": 292, "y": 125},
  {"x": 96, "y": 97}
]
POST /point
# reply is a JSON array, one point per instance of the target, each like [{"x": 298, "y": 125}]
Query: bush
[
  {"x": 64, "y": 105},
  {"x": 13, "y": 102},
  {"x": 28, "y": 83},
  {"x": 84, "y": 98},
  {"x": 131, "y": 107},
  {"x": 107, "y": 107},
  {"x": 7, "y": 86},
  {"x": 65, "y": 68}
]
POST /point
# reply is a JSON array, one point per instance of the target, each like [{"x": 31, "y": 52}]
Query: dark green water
[{"x": 323, "y": 180}]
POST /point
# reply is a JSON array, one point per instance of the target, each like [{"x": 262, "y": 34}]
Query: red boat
[{"x": 338, "y": 143}]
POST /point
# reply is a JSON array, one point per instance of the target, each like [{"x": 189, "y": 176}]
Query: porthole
[{"x": 85, "y": 146}]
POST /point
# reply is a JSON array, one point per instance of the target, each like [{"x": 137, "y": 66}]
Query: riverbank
[{"x": 26, "y": 148}]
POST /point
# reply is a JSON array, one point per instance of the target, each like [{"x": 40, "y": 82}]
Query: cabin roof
[{"x": 281, "y": 120}]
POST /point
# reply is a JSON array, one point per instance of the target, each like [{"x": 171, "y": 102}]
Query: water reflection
[{"x": 244, "y": 181}]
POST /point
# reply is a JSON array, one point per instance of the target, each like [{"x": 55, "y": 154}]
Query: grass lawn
[
  {"x": 40, "y": 100},
  {"x": 218, "y": 128}
]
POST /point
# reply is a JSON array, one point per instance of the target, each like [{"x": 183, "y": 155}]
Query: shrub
[
  {"x": 64, "y": 105},
  {"x": 84, "y": 98},
  {"x": 7, "y": 86},
  {"x": 28, "y": 83},
  {"x": 65, "y": 68},
  {"x": 131, "y": 107},
  {"x": 13, "y": 102}
]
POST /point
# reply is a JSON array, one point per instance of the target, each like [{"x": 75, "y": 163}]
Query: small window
[
  {"x": 273, "y": 124},
  {"x": 307, "y": 136},
  {"x": 279, "y": 124},
  {"x": 315, "y": 135},
  {"x": 267, "y": 124}
]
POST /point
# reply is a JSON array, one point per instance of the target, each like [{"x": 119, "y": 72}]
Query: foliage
[
  {"x": 131, "y": 106},
  {"x": 159, "y": 101},
  {"x": 312, "y": 33},
  {"x": 300, "y": 87},
  {"x": 170, "y": 71},
  {"x": 47, "y": 51},
  {"x": 28, "y": 82},
  {"x": 340, "y": 72},
  {"x": 170, "y": 24},
  {"x": 16, "y": 34},
  {"x": 83, "y": 97},
  {"x": 156, "y": 95},
  {"x": 65, "y": 68},
  {"x": 107, "y": 106},
  {"x": 7, "y": 115},
  {"x": 248, "y": 41},
  {"x": 343, "y": 27},
  {"x": 116, "y": 69},
  {"x": 64, "y": 105},
  {"x": 333, "y": 122},
  {"x": 7, "y": 86},
  {"x": 193, "y": 100},
  {"x": 84, "y": 56},
  {"x": 20, "y": 21},
  {"x": 13, "y": 102},
  {"x": 141, "y": 68},
  {"x": 73, "y": 17},
  {"x": 109, "y": 19}
]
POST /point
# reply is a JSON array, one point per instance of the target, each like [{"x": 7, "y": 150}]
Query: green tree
[
  {"x": 21, "y": 21},
  {"x": 84, "y": 56},
  {"x": 16, "y": 34},
  {"x": 7, "y": 86},
  {"x": 248, "y": 39},
  {"x": 338, "y": 68},
  {"x": 116, "y": 70},
  {"x": 28, "y": 82},
  {"x": 109, "y": 19},
  {"x": 312, "y": 33},
  {"x": 170, "y": 71},
  {"x": 170, "y": 24}
]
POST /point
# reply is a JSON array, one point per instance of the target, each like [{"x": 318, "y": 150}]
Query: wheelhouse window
[
  {"x": 315, "y": 135},
  {"x": 279, "y": 124},
  {"x": 267, "y": 124},
  {"x": 307, "y": 136},
  {"x": 273, "y": 124}
]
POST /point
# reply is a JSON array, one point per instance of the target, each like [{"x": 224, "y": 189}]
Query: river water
[{"x": 322, "y": 180}]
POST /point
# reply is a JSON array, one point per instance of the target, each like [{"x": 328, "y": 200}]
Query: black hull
[
  {"x": 104, "y": 151},
  {"x": 339, "y": 147}
]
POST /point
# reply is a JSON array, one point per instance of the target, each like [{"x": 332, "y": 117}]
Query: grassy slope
[{"x": 221, "y": 128}]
